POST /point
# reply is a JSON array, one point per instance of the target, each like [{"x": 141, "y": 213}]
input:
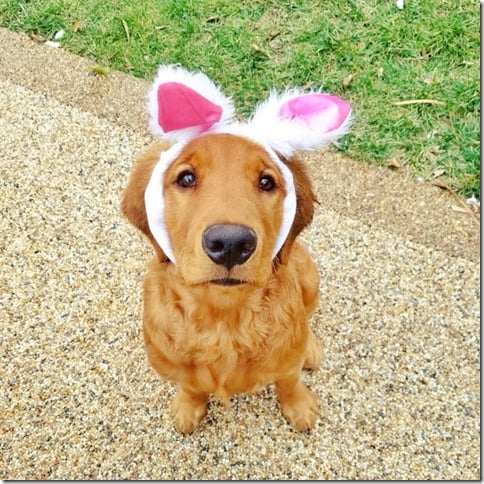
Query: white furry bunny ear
[
  {"x": 295, "y": 121},
  {"x": 183, "y": 105}
]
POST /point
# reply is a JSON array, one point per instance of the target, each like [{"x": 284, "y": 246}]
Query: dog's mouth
[{"x": 227, "y": 281}]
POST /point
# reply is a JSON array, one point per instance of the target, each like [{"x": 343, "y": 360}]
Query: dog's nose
[{"x": 229, "y": 245}]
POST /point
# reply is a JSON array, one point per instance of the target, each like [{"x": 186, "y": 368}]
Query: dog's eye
[
  {"x": 266, "y": 183},
  {"x": 186, "y": 179}
]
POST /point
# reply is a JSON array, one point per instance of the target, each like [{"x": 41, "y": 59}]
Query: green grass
[{"x": 428, "y": 50}]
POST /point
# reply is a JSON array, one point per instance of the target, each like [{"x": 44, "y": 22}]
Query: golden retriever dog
[{"x": 228, "y": 295}]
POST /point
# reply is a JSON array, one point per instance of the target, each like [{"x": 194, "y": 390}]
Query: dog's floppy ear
[
  {"x": 183, "y": 104},
  {"x": 294, "y": 121},
  {"x": 305, "y": 200},
  {"x": 133, "y": 201}
]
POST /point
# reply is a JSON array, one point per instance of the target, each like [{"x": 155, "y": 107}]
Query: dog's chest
[
  {"x": 240, "y": 351},
  {"x": 226, "y": 345},
  {"x": 234, "y": 338}
]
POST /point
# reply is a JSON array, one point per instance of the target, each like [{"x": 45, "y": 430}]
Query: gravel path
[{"x": 399, "y": 384}]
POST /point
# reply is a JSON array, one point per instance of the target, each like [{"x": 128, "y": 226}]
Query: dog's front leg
[
  {"x": 188, "y": 409},
  {"x": 313, "y": 353},
  {"x": 298, "y": 404}
]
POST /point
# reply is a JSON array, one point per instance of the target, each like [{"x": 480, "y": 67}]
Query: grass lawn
[{"x": 367, "y": 51}]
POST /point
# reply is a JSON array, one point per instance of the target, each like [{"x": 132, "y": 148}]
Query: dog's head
[{"x": 227, "y": 199}]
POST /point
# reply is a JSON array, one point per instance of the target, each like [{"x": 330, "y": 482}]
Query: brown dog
[
  {"x": 224, "y": 314},
  {"x": 214, "y": 327}
]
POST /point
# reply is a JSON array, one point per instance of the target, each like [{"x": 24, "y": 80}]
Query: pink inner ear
[
  {"x": 321, "y": 112},
  {"x": 181, "y": 107}
]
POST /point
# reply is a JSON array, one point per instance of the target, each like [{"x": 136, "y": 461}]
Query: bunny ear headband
[{"x": 184, "y": 105}]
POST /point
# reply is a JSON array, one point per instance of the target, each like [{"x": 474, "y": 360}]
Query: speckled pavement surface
[{"x": 399, "y": 315}]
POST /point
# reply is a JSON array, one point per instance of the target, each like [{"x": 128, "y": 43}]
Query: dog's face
[{"x": 223, "y": 209}]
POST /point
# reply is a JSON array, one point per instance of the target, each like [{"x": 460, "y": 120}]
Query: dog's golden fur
[{"x": 215, "y": 339}]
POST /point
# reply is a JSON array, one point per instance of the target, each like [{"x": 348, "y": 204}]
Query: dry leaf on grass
[
  {"x": 272, "y": 35},
  {"x": 76, "y": 26},
  {"x": 126, "y": 30},
  {"x": 438, "y": 172},
  {"x": 419, "y": 101},
  {"x": 215, "y": 19},
  {"x": 37, "y": 38},
  {"x": 393, "y": 163},
  {"x": 348, "y": 80},
  {"x": 260, "y": 50},
  {"x": 308, "y": 85}
]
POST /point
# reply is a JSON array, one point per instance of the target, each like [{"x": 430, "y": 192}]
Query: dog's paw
[
  {"x": 300, "y": 409},
  {"x": 313, "y": 353},
  {"x": 188, "y": 411}
]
